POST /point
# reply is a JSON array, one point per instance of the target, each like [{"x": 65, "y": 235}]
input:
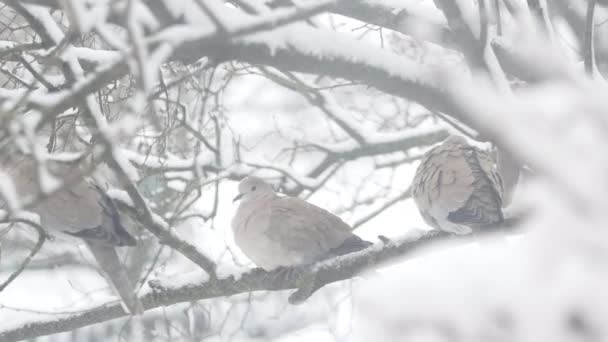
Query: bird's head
[
  {"x": 252, "y": 187},
  {"x": 456, "y": 139}
]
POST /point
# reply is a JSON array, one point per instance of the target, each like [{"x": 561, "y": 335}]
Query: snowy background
[{"x": 335, "y": 102}]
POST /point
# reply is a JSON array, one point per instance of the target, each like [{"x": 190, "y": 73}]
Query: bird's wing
[
  {"x": 484, "y": 204},
  {"x": 110, "y": 231},
  {"x": 303, "y": 227},
  {"x": 489, "y": 164},
  {"x": 79, "y": 208},
  {"x": 84, "y": 210}
]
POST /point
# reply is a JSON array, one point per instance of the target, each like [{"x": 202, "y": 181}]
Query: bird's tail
[
  {"x": 116, "y": 275},
  {"x": 350, "y": 245}
]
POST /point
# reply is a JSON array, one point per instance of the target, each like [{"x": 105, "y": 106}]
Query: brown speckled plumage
[{"x": 457, "y": 187}]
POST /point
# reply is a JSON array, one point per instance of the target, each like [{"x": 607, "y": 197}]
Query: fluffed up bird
[
  {"x": 280, "y": 231},
  {"x": 82, "y": 209},
  {"x": 457, "y": 187}
]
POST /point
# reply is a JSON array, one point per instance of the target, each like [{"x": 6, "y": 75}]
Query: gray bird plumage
[
  {"x": 279, "y": 231},
  {"x": 457, "y": 187},
  {"x": 79, "y": 208}
]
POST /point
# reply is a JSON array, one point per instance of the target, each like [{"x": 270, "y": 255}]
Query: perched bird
[
  {"x": 79, "y": 208},
  {"x": 279, "y": 231},
  {"x": 457, "y": 187}
]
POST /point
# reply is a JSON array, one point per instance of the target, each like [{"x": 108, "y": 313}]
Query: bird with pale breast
[
  {"x": 280, "y": 231},
  {"x": 458, "y": 188},
  {"x": 80, "y": 208}
]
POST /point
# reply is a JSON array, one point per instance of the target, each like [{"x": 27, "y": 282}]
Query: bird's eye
[{"x": 253, "y": 188}]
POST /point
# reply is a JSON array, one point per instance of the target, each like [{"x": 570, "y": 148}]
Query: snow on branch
[
  {"x": 320, "y": 274},
  {"x": 165, "y": 234},
  {"x": 293, "y": 47}
]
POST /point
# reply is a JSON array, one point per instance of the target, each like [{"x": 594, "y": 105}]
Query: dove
[
  {"x": 79, "y": 208},
  {"x": 277, "y": 231},
  {"x": 457, "y": 187}
]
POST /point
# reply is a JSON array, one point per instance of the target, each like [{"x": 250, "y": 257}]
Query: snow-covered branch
[{"x": 164, "y": 293}]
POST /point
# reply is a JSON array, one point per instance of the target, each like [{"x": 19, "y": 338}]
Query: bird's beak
[{"x": 238, "y": 197}]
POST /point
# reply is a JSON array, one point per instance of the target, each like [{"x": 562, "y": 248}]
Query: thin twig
[
  {"x": 36, "y": 74},
  {"x": 405, "y": 195},
  {"x": 41, "y": 239}
]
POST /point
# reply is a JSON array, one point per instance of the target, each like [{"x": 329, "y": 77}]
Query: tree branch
[
  {"x": 588, "y": 50},
  {"x": 326, "y": 272},
  {"x": 41, "y": 239}
]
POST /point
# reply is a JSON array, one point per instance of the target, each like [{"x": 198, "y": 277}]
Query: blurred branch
[
  {"x": 588, "y": 50},
  {"x": 216, "y": 21},
  {"x": 469, "y": 41},
  {"x": 497, "y": 13},
  {"x": 323, "y": 273},
  {"x": 539, "y": 10}
]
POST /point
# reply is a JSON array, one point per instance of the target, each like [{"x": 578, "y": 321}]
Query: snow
[
  {"x": 328, "y": 45},
  {"x": 42, "y": 14},
  {"x": 120, "y": 195},
  {"x": 471, "y": 295},
  {"x": 88, "y": 14},
  {"x": 539, "y": 282},
  {"x": 226, "y": 270},
  {"x": 7, "y": 45},
  {"x": 182, "y": 280},
  {"x": 96, "y": 56},
  {"x": 232, "y": 21}
]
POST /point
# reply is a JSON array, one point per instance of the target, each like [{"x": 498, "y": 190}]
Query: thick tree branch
[
  {"x": 326, "y": 272},
  {"x": 387, "y": 72}
]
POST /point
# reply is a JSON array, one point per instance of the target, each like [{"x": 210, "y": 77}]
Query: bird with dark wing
[
  {"x": 457, "y": 187},
  {"x": 79, "y": 208},
  {"x": 281, "y": 231}
]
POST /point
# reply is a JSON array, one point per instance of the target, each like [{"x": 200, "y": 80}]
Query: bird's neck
[{"x": 253, "y": 202}]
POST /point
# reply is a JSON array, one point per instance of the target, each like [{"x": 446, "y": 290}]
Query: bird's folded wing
[
  {"x": 71, "y": 209},
  {"x": 484, "y": 203},
  {"x": 490, "y": 166},
  {"x": 304, "y": 227},
  {"x": 78, "y": 208}
]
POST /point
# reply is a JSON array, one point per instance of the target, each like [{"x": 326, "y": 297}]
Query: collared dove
[
  {"x": 457, "y": 187},
  {"x": 279, "y": 231},
  {"x": 79, "y": 208}
]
